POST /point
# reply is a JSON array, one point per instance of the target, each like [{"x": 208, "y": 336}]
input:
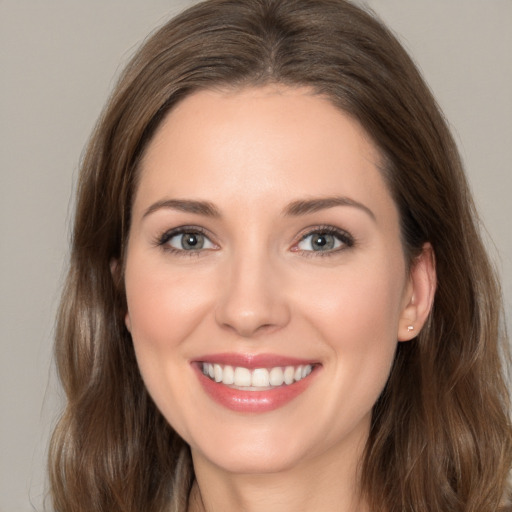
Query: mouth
[
  {"x": 254, "y": 384},
  {"x": 257, "y": 379}
]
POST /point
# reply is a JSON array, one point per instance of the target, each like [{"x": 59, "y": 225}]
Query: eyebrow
[
  {"x": 306, "y": 206},
  {"x": 185, "y": 205},
  {"x": 294, "y": 209}
]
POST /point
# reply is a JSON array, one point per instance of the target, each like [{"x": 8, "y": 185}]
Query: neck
[{"x": 328, "y": 483}]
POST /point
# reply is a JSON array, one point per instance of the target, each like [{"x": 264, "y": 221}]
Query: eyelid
[
  {"x": 163, "y": 239},
  {"x": 347, "y": 240}
]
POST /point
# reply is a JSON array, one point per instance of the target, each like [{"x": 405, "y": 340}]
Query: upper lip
[{"x": 253, "y": 361}]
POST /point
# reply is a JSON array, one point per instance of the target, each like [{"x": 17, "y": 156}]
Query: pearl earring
[{"x": 410, "y": 328}]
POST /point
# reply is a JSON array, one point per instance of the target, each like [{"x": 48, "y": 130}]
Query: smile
[
  {"x": 254, "y": 384},
  {"x": 257, "y": 379}
]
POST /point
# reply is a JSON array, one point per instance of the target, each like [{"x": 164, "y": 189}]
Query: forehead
[{"x": 254, "y": 144}]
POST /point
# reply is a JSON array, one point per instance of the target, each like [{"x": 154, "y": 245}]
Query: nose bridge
[{"x": 252, "y": 298}]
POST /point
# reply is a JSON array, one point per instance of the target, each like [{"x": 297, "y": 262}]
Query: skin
[{"x": 257, "y": 287}]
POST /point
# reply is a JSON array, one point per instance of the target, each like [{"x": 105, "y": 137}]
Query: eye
[
  {"x": 325, "y": 240},
  {"x": 186, "y": 240}
]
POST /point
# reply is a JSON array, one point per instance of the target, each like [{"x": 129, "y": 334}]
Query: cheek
[
  {"x": 357, "y": 315},
  {"x": 163, "y": 307},
  {"x": 357, "y": 306}
]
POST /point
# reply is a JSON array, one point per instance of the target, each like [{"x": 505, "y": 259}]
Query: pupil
[
  {"x": 323, "y": 241},
  {"x": 190, "y": 240}
]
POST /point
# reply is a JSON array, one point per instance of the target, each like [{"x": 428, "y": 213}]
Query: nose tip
[
  {"x": 248, "y": 324},
  {"x": 252, "y": 303}
]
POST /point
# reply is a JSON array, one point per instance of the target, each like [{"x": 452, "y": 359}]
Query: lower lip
[{"x": 253, "y": 401}]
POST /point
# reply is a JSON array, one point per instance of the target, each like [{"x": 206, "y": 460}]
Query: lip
[
  {"x": 253, "y": 361},
  {"x": 253, "y": 401}
]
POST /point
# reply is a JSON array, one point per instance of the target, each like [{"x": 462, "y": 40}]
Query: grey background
[{"x": 58, "y": 62}]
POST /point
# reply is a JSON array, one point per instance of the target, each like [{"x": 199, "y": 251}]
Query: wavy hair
[{"x": 440, "y": 437}]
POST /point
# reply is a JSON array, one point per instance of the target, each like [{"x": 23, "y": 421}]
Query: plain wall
[{"x": 58, "y": 62}]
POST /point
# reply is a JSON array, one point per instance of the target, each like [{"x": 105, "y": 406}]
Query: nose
[{"x": 252, "y": 298}]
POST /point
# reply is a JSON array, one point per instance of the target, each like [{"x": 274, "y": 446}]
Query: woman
[{"x": 278, "y": 297}]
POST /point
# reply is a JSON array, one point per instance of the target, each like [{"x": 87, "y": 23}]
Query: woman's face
[{"x": 265, "y": 252}]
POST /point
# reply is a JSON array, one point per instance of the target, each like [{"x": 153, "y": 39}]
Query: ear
[
  {"x": 128, "y": 322},
  {"x": 419, "y": 294},
  {"x": 114, "y": 270}
]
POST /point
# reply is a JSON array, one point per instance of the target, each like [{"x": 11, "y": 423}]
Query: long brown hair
[{"x": 441, "y": 436}]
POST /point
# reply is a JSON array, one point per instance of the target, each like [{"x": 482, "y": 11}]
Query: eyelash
[
  {"x": 162, "y": 240},
  {"x": 346, "y": 239}
]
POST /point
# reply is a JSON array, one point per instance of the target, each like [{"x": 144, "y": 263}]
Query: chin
[{"x": 251, "y": 459}]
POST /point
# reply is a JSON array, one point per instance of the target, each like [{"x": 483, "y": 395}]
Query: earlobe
[
  {"x": 419, "y": 294},
  {"x": 128, "y": 322}
]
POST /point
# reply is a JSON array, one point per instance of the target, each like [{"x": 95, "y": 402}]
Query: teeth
[
  {"x": 261, "y": 378},
  {"x": 289, "y": 373},
  {"x": 217, "y": 372},
  {"x": 276, "y": 376},
  {"x": 242, "y": 377},
  {"x": 228, "y": 375}
]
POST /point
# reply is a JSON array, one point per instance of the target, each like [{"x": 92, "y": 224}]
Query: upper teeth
[{"x": 257, "y": 378}]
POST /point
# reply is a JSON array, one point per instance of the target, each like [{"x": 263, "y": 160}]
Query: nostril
[{"x": 247, "y": 329}]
